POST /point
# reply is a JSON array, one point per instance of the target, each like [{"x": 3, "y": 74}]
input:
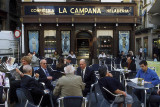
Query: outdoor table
[{"x": 144, "y": 87}]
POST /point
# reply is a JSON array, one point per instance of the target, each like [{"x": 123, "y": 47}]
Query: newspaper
[{"x": 12, "y": 70}]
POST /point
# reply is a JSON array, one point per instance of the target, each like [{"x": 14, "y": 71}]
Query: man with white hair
[
  {"x": 45, "y": 74},
  {"x": 70, "y": 84},
  {"x": 88, "y": 76}
]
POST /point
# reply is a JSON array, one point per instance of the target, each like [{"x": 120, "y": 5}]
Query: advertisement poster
[
  {"x": 65, "y": 35},
  {"x": 154, "y": 66},
  {"x": 33, "y": 41},
  {"x": 124, "y": 41}
]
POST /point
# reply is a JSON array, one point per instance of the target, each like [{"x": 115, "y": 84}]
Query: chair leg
[
  {"x": 95, "y": 93},
  {"x": 89, "y": 102},
  {"x": 102, "y": 103},
  {"x": 50, "y": 95},
  {"x": 111, "y": 105}
]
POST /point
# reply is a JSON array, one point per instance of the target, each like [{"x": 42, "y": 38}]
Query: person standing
[
  {"x": 140, "y": 52},
  {"x": 145, "y": 53}
]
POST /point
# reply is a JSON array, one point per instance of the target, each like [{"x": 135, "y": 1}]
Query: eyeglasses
[{"x": 45, "y": 63}]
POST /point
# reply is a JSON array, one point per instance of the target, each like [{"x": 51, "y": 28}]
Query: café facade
[{"x": 86, "y": 28}]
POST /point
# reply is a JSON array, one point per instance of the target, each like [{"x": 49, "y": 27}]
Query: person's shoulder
[{"x": 150, "y": 70}]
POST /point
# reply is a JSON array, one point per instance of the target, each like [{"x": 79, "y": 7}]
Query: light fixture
[
  {"x": 95, "y": 24},
  {"x": 40, "y": 24},
  {"x": 57, "y": 24},
  {"x": 116, "y": 24},
  {"x": 135, "y": 24},
  {"x": 72, "y": 24}
]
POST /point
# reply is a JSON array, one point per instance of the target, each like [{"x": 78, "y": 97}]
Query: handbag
[{"x": 3, "y": 95}]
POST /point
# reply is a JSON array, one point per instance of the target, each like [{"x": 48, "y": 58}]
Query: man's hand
[
  {"x": 110, "y": 75},
  {"x": 36, "y": 75},
  {"x": 158, "y": 92},
  {"x": 147, "y": 82},
  {"x": 49, "y": 78},
  {"x": 124, "y": 93},
  {"x": 18, "y": 71}
]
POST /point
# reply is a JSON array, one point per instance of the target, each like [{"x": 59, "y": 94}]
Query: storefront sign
[
  {"x": 79, "y": 10},
  {"x": 124, "y": 41},
  {"x": 33, "y": 41}
]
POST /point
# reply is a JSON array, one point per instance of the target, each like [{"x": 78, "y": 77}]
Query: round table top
[{"x": 144, "y": 87}]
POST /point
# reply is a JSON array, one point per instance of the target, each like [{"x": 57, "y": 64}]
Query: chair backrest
[
  {"x": 108, "y": 61},
  {"x": 95, "y": 67},
  {"x": 117, "y": 75},
  {"x": 23, "y": 95},
  {"x": 56, "y": 74},
  {"x": 72, "y": 101},
  {"x": 132, "y": 75},
  {"x": 49, "y": 60},
  {"x": 73, "y": 61}
]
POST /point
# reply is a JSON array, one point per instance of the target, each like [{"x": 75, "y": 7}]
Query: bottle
[{"x": 7, "y": 82}]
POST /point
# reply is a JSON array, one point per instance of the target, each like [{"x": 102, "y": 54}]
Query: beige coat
[{"x": 69, "y": 85}]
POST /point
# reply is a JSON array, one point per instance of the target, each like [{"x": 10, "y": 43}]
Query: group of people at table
[{"x": 78, "y": 82}]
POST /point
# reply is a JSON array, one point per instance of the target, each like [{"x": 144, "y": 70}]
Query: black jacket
[
  {"x": 89, "y": 77},
  {"x": 31, "y": 84},
  {"x": 43, "y": 77}
]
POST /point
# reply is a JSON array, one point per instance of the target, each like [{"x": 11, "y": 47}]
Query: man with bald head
[
  {"x": 45, "y": 74},
  {"x": 88, "y": 76}
]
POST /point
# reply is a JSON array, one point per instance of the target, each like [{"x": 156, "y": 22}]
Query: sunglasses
[{"x": 45, "y": 63}]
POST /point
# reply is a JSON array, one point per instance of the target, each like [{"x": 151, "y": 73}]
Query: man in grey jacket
[{"x": 70, "y": 84}]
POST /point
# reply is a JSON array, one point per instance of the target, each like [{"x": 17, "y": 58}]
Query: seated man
[
  {"x": 45, "y": 74},
  {"x": 102, "y": 58},
  {"x": 88, "y": 76},
  {"x": 130, "y": 64},
  {"x": 68, "y": 60},
  {"x": 69, "y": 85},
  {"x": 148, "y": 75},
  {"x": 36, "y": 89},
  {"x": 113, "y": 86}
]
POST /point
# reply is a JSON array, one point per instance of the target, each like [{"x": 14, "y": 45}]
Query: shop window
[
  {"x": 105, "y": 44},
  {"x": 49, "y": 42}
]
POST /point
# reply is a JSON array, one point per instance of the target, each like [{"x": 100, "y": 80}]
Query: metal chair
[
  {"x": 73, "y": 61},
  {"x": 56, "y": 74},
  {"x": 92, "y": 90},
  {"x": 109, "y": 63},
  {"x": 6, "y": 101},
  {"x": 72, "y": 101},
  {"x": 25, "y": 98},
  {"x": 117, "y": 75},
  {"x": 111, "y": 102},
  {"x": 117, "y": 63}
]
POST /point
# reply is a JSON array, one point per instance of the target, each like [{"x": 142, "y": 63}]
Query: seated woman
[
  {"x": 72, "y": 54},
  {"x": 106, "y": 80},
  {"x": 60, "y": 66},
  {"x": 14, "y": 84}
]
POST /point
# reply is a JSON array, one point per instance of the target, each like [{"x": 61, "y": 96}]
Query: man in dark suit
[
  {"x": 36, "y": 89},
  {"x": 45, "y": 74},
  {"x": 87, "y": 75},
  {"x": 130, "y": 64}
]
